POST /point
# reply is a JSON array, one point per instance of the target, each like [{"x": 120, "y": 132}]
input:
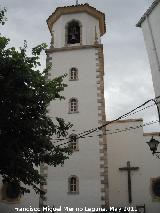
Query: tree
[
  {"x": 26, "y": 130},
  {"x": 2, "y": 16}
]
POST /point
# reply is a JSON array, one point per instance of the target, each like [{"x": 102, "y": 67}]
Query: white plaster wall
[
  {"x": 85, "y": 163},
  {"x": 88, "y": 28},
  {"x": 131, "y": 146},
  {"x": 154, "y": 20},
  {"x": 84, "y": 89}
]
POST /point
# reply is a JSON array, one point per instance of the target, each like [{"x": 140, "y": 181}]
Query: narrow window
[
  {"x": 73, "y": 185},
  {"x": 73, "y": 142},
  {"x": 156, "y": 187},
  {"x": 73, "y": 33},
  {"x": 73, "y": 105},
  {"x": 73, "y": 74}
]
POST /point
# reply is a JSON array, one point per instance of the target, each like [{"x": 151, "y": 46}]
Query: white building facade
[
  {"x": 96, "y": 174},
  {"x": 149, "y": 23},
  {"x": 127, "y": 147},
  {"x": 76, "y": 51}
]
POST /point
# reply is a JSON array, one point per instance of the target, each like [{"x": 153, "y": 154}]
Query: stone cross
[{"x": 129, "y": 169}]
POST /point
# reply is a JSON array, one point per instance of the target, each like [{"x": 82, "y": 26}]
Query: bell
[{"x": 73, "y": 37}]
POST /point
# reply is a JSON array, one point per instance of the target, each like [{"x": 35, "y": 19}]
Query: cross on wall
[{"x": 129, "y": 169}]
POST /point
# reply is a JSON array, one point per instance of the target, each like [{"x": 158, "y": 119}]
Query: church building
[
  {"x": 111, "y": 165},
  {"x": 133, "y": 172}
]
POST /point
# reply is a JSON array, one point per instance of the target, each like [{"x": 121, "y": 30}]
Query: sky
[{"x": 128, "y": 81}]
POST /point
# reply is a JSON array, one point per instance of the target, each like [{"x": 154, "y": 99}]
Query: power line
[
  {"x": 123, "y": 130},
  {"x": 59, "y": 139},
  {"x": 133, "y": 128},
  {"x": 119, "y": 131},
  {"x": 123, "y": 116},
  {"x": 145, "y": 108},
  {"x": 84, "y": 133}
]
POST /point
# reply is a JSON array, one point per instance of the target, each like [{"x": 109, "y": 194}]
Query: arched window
[
  {"x": 73, "y": 75},
  {"x": 11, "y": 192},
  {"x": 73, "y": 105},
  {"x": 156, "y": 187},
  {"x": 73, "y": 32},
  {"x": 73, "y": 185},
  {"x": 73, "y": 142}
]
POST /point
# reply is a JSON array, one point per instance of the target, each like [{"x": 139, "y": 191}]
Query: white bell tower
[{"x": 76, "y": 49}]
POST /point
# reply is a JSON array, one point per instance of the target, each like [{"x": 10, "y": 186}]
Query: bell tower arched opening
[{"x": 73, "y": 32}]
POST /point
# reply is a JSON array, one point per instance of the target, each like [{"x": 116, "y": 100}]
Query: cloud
[{"x": 128, "y": 80}]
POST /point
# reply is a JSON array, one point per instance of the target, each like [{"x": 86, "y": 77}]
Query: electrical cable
[
  {"x": 84, "y": 133},
  {"x": 119, "y": 131}
]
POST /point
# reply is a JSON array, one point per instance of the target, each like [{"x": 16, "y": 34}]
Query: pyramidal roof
[{"x": 80, "y": 8}]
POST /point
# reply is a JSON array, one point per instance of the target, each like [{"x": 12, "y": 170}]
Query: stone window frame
[
  {"x": 66, "y": 32},
  {"x": 5, "y": 198},
  {"x": 74, "y": 144},
  {"x": 73, "y": 188},
  {"x": 73, "y": 76},
  {"x": 75, "y": 110}
]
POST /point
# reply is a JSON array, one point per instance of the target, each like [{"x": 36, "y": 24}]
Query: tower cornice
[
  {"x": 78, "y": 9},
  {"x": 69, "y": 48}
]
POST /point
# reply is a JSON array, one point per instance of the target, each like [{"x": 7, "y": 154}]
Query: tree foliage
[
  {"x": 2, "y": 15},
  {"x": 26, "y": 130}
]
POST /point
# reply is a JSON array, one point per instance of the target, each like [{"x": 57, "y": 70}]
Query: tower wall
[
  {"x": 88, "y": 24},
  {"x": 89, "y": 163}
]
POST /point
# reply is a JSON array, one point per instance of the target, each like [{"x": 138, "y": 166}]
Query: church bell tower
[{"x": 76, "y": 50}]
